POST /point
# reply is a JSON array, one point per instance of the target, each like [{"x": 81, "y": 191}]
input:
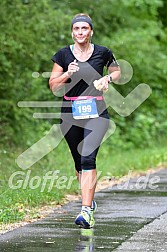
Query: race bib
[{"x": 84, "y": 109}]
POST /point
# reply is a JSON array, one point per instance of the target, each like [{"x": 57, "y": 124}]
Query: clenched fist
[{"x": 72, "y": 68}]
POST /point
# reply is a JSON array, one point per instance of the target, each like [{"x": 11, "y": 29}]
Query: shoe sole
[{"x": 82, "y": 223}]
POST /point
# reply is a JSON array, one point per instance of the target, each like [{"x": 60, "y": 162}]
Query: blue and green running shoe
[
  {"x": 94, "y": 206},
  {"x": 85, "y": 219}
]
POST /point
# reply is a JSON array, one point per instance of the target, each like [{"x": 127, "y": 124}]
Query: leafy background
[{"x": 31, "y": 33}]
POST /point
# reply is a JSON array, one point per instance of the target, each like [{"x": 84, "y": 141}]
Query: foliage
[
  {"x": 31, "y": 32},
  {"x": 135, "y": 31},
  {"x": 27, "y": 45}
]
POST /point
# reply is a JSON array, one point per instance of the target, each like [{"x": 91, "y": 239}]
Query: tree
[
  {"x": 135, "y": 30},
  {"x": 31, "y": 35}
]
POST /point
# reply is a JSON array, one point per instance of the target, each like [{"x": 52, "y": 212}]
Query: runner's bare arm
[
  {"x": 58, "y": 78},
  {"x": 114, "y": 72}
]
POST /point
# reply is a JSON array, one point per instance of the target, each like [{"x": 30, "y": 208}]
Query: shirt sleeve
[
  {"x": 110, "y": 59},
  {"x": 58, "y": 58}
]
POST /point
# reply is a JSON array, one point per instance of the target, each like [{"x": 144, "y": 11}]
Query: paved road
[{"x": 130, "y": 217}]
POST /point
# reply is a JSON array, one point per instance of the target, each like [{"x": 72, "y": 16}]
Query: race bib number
[{"x": 84, "y": 109}]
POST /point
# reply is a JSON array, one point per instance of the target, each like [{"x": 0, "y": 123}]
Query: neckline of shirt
[{"x": 72, "y": 51}]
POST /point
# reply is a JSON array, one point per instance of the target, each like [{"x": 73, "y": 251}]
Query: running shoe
[
  {"x": 92, "y": 220},
  {"x": 85, "y": 219},
  {"x": 94, "y": 206}
]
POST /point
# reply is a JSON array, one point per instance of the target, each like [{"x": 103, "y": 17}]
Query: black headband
[{"x": 82, "y": 19}]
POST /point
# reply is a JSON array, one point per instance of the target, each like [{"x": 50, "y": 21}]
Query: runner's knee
[{"x": 88, "y": 163}]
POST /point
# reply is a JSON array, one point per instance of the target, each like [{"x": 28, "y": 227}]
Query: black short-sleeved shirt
[{"x": 81, "y": 82}]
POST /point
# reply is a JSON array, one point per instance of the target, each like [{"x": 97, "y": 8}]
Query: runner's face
[{"x": 81, "y": 32}]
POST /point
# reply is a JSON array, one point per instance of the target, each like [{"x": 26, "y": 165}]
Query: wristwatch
[{"x": 109, "y": 78}]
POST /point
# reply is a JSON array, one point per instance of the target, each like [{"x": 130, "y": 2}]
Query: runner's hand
[
  {"x": 72, "y": 68},
  {"x": 101, "y": 84}
]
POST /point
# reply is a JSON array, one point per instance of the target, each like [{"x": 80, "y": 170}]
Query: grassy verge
[{"x": 49, "y": 180}]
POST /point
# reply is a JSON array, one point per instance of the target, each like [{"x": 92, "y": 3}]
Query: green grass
[
  {"x": 30, "y": 191},
  {"x": 118, "y": 163}
]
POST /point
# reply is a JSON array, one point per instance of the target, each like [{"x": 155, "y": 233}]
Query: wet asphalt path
[{"x": 130, "y": 217}]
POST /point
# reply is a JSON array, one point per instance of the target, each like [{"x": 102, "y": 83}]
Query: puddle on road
[
  {"x": 120, "y": 215},
  {"x": 64, "y": 236}
]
